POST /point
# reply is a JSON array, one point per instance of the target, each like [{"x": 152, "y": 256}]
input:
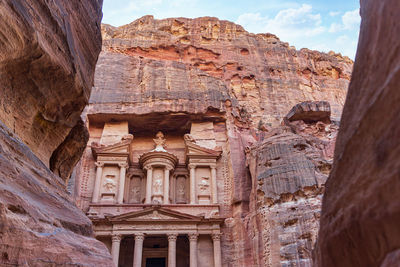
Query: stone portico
[
  {"x": 156, "y": 221},
  {"x": 150, "y": 209}
]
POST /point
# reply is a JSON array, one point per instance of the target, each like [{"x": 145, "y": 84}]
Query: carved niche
[
  {"x": 135, "y": 189},
  {"x": 109, "y": 185},
  {"x": 180, "y": 193},
  {"x": 203, "y": 177}
]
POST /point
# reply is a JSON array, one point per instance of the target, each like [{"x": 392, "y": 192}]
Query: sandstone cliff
[
  {"x": 48, "y": 53},
  {"x": 47, "y": 60},
  {"x": 360, "y": 212},
  {"x": 210, "y": 69}
]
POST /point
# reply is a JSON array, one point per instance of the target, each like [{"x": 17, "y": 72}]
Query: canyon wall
[
  {"x": 48, "y": 53},
  {"x": 164, "y": 74},
  {"x": 361, "y": 212}
]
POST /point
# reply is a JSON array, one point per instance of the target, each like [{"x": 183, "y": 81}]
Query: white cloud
[
  {"x": 343, "y": 39},
  {"x": 350, "y": 21},
  {"x": 287, "y": 24},
  {"x": 334, "y": 13},
  {"x": 346, "y": 45},
  {"x": 335, "y": 27}
]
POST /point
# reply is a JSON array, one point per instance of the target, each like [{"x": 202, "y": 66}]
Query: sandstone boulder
[{"x": 310, "y": 111}]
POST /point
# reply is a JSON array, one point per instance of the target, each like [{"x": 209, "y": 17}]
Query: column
[
  {"x": 149, "y": 184},
  {"x": 217, "y": 249},
  {"x": 166, "y": 184},
  {"x": 122, "y": 172},
  {"x": 137, "y": 255},
  {"x": 214, "y": 184},
  {"x": 193, "y": 249},
  {"x": 97, "y": 182},
  {"x": 192, "y": 168},
  {"x": 172, "y": 249},
  {"x": 116, "y": 241}
]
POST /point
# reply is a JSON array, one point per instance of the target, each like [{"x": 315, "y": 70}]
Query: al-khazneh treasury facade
[{"x": 155, "y": 198}]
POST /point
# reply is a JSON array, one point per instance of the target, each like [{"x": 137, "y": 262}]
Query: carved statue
[
  {"x": 135, "y": 193},
  {"x": 109, "y": 183},
  {"x": 157, "y": 186},
  {"x": 181, "y": 189},
  {"x": 204, "y": 184},
  {"x": 160, "y": 142}
]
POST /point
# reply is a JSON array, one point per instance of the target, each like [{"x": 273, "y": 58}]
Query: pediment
[
  {"x": 154, "y": 214},
  {"x": 193, "y": 149},
  {"x": 120, "y": 148}
]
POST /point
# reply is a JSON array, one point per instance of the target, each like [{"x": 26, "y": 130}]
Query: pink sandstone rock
[
  {"x": 165, "y": 74},
  {"x": 48, "y": 53},
  {"x": 361, "y": 212}
]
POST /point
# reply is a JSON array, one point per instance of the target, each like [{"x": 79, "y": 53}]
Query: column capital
[
  {"x": 172, "y": 236},
  {"x": 216, "y": 236},
  {"x": 99, "y": 164},
  {"x": 123, "y": 165},
  {"x": 193, "y": 236},
  {"x": 139, "y": 237},
  {"x": 213, "y": 166},
  {"x": 169, "y": 168},
  {"x": 192, "y": 166},
  {"x": 148, "y": 167},
  {"x": 116, "y": 238}
]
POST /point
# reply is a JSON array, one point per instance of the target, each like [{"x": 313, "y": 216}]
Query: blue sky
[{"x": 316, "y": 24}]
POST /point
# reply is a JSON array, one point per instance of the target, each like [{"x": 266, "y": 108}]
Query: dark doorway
[{"x": 155, "y": 262}]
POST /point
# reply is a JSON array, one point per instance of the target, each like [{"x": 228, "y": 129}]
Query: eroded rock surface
[
  {"x": 361, "y": 212},
  {"x": 47, "y": 59},
  {"x": 205, "y": 61},
  {"x": 288, "y": 171},
  {"x": 166, "y": 74},
  {"x": 39, "y": 224}
]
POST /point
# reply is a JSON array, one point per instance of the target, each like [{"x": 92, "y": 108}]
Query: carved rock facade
[{"x": 233, "y": 163}]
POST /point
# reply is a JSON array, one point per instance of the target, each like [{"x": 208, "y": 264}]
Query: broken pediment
[
  {"x": 154, "y": 214},
  {"x": 121, "y": 148},
  {"x": 195, "y": 150}
]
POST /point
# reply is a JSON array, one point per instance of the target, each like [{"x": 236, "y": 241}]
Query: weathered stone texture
[
  {"x": 70, "y": 151},
  {"x": 288, "y": 171},
  {"x": 310, "y": 112},
  {"x": 48, "y": 53},
  {"x": 39, "y": 224},
  {"x": 205, "y": 61},
  {"x": 361, "y": 212},
  {"x": 47, "y": 60},
  {"x": 169, "y": 73}
]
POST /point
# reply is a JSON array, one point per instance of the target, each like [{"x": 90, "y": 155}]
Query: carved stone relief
[
  {"x": 158, "y": 178},
  {"x": 160, "y": 142},
  {"x": 135, "y": 190},
  {"x": 180, "y": 189},
  {"x": 109, "y": 183},
  {"x": 203, "y": 177},
  {"x": 204, "y": 185}
]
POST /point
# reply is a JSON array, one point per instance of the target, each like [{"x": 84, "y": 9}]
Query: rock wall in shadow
[{"x": 361, "y": 212}]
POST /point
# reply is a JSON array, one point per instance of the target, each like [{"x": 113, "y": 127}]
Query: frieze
[
  {"x": 203, "y": 161},
  {"x": 152, "y": 226},
  {"x": 122, "y": 159}
]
